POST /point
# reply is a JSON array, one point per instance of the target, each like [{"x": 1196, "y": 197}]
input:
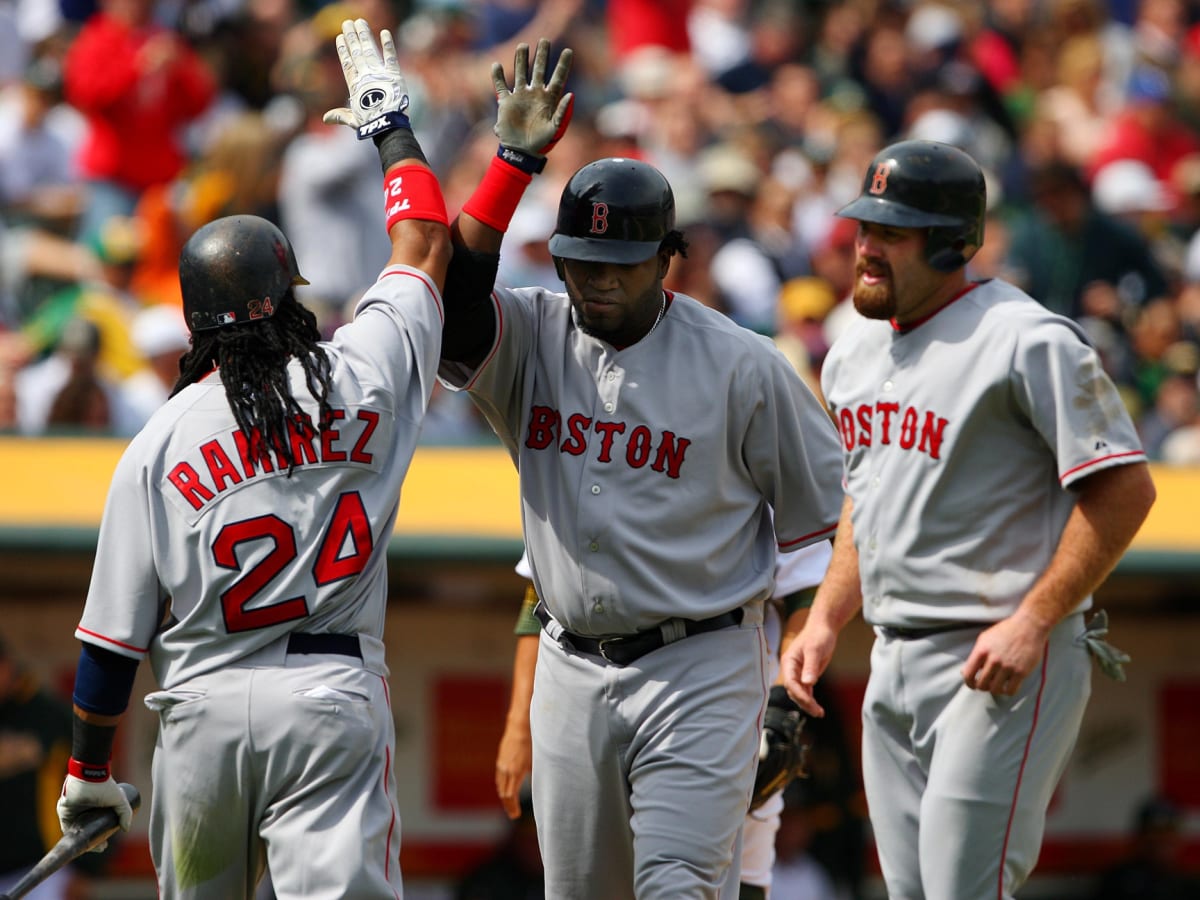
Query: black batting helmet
[
  {"x": 613, "y": 210},
  {"x": 235, "y": 269},
  {"x": 926, "y": 184}
]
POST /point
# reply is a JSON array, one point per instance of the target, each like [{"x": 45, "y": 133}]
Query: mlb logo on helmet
[{"x": 226, "y": 318}]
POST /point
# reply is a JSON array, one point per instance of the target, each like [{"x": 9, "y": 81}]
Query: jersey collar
[{"x": 909, "y": 326}]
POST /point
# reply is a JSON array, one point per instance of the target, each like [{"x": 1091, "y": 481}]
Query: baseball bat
[{"x": 94, "y": 827}]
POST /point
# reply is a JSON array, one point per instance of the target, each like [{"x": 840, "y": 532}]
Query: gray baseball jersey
[
  {"x": 646, "y": 473},
  {"x": 961, "y": 436},
  {"x": 647, "y": 476},
  {"x": 209, "y": 559}
]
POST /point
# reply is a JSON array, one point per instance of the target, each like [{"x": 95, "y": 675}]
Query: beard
[{"x": 875, "y": 301}]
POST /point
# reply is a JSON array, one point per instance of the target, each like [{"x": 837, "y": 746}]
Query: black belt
[
  {"x": 624, "y": 649},
  {"x": 910, "y": 634},
  {"x": 341, "y": 644}
]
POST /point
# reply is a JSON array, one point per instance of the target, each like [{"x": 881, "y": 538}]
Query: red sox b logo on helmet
[
  {"x": 879, "y": 179},
  {"x": 599, "y": 218}
]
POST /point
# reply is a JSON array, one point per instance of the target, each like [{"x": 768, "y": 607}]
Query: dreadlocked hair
[{"x": 253, "y": 358}]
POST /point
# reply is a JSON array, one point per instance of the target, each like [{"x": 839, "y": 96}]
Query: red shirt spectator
[
  {"x": 136, "y": 83},
  {"x": 1147, "y": 129}
]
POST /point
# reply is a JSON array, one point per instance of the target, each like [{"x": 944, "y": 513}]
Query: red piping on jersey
[
  {"x": 909, "y": 326},
  {"x": 1067, "y": 474},
  {"x": 805, "y": 537},
  {"x": 1012, "y": 810},
  {"x": 424, "y": 279},
  {"x": 387, "y": 768},
  {"x": 495, "y": 344},
  {"x": 109, "y": 640}
]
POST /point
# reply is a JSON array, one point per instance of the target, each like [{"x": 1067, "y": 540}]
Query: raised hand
[
  {"x": 534, "y": 114},
  {"x": 378, "y": 92}
]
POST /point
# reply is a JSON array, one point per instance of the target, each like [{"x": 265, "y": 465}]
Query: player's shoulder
[
  {"x": 1006, "y": 308},
  {"x": 703, "y": 323}
]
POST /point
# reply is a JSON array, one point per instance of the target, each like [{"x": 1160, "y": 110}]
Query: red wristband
[
  {"x": 413, "y": 192},
  {"x": 88, "y": 771},
  {"x": 496, "y": 198}
]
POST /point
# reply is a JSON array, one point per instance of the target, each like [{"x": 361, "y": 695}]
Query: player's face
[
  {"x": 892, "y": 280},
  {"x": 614, "y": 302}
]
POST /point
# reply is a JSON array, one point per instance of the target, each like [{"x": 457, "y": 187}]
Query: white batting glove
[
  {"x": 378, "y": 92},
  {"x": 80, "y": 795},
  {"x": 533, "y": 115}
]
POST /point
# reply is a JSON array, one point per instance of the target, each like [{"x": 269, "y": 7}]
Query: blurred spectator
[
  {"x": 804, "y": 302},
  {"x": 137, "y": 83},
  {"x": 1067, "y": 245},
  {"x": 105, "y": 300},
  {"x": 514, "y": 870},
  {"x": 1151, "y": 870},
  {"x": 525, "y": 257},
  {"x": 329, "y": 197},
  {"x": 1080, "y": 102},
  {"x": 1128, "y": 190},
  {"x": 797, "y": 872},
  {"x": 161, "y": 337},
  {"x": 38, "y": 179},
  {"x": 35, "y": 742},
  {"x": 1146, "y": 128},
  {"x": 67, "y": 392},
  {"x": 1176, "y": 405},
  {"x": 1159, "y": 348}
]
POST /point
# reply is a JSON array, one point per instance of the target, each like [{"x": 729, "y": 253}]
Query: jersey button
[
  {"x": 612, "y": 376},
  {"x": 609, "y": 407},
  {"x": 597, "y": 607},
  {"x": 595, "y": 488},
  {"x": 593, "y": 546},
  {"x": 887, "y": 385}
]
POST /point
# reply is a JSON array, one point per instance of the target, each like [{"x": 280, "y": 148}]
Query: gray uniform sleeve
[
  {"x": 1059, "y": 383},
  {"x": 794, "y": 454}
]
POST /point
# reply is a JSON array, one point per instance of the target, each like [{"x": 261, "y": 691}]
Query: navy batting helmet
[
  {"x": 235, "y": 269},
  {"x": 613, "y": 210},
  {"x": 926, "y": 184}
]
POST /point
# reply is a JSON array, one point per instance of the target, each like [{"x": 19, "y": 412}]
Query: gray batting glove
[
  {"x": 534, "y": 114},
  {"x": 78, "y": 796},
  {"x": 1109, "y": 658},
  {"x": 378, "y": 92}
]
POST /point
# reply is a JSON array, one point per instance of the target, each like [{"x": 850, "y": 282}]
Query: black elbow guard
[{"x": 470, "y": 321}]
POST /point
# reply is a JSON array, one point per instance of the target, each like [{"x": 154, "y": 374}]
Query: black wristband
[
  {"x": 92, "y": 744},
  {"x": 396, "y": 145},
  {"x": 519, "y": 159}
]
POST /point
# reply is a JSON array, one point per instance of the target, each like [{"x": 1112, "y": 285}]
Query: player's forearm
[
  {"x": 839, "y": 598},
  {"x": 524, "y": 664},
  {"x": 1111, "y": 508}
]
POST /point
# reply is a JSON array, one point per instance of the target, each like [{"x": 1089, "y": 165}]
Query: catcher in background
[{"x": 782, "y": 749}]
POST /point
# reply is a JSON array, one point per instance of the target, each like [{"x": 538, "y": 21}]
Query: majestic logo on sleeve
[
  {"x": 663, "y": 451},
  {"x": 890, "y": 423}
]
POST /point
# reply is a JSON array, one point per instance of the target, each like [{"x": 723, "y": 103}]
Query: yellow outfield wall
[{"x": 458, "y": 492}]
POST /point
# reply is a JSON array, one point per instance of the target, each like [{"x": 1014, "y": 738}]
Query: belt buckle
[{"x": 602, "y": 647}]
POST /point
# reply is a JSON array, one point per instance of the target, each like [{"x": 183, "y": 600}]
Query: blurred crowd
[{"x": 126, "y": 124}]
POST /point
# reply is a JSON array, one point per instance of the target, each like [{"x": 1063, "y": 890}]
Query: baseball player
[
  {"x": 653, "y": 437},
  {"x": 993, "y": 479},
  {"x": 796, "y": 575},
  {"x": 243, "y": 550}
]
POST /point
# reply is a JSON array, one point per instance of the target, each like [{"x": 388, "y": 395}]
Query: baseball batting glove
[
  {"x": 534, "y": 114},
  {"x": 378, "y": 92},
  {"x": 93, "y": 788},
  {"x": 1109, "y": 658},
  {"x": 781, "y": 755}
]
